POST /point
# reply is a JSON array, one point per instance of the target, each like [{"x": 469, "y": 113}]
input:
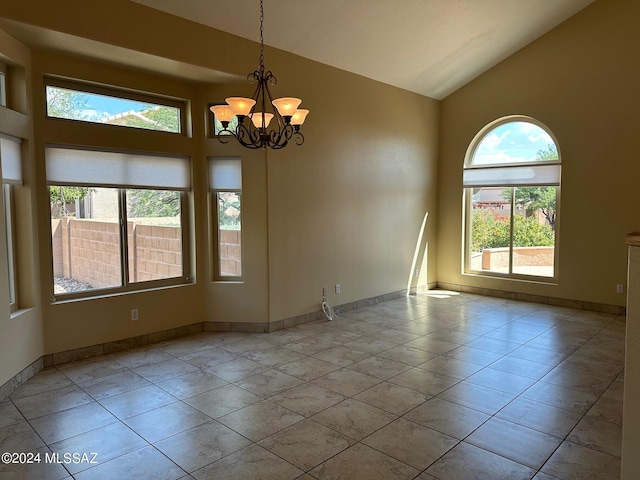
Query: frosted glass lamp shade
[
  {"x": 286, "y": 105},
  {"x": 256, "y": 118},
  {"x": 241, "y": 105},
  {"x": 299, "y": 116},
  {"x": 224, "y": 113}
]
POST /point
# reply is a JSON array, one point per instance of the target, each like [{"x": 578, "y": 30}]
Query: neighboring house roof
[{"x": 135, "y": 119}]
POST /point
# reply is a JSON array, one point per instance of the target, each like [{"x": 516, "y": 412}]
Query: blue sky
[
  {"x": 513, "y": 142},
  {"x": 100, "y": 106}
]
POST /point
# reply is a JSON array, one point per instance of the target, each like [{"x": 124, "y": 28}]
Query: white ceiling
[{"x": 432, "y": 47}]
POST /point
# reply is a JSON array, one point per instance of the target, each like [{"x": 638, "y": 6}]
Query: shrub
[{"x": 491, "y": 230}]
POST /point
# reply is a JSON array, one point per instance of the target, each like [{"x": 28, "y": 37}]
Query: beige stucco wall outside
[{"x": 581, "y": 81}]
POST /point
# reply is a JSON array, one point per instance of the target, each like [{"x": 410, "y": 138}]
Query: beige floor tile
[
  {"x": 346, "y": 382},
  {"x": 607, "y": 409},
  {"x": 520, "y": 366},
  {"x": 520, "y": 444},
  {"x": 36, "y": 470},
  {"x": 166, "y": 421},
  {"x": 432, "y": 345},
  {"x": 379, "y": 367},
  {"x": 446, "y": 417},
  {"x": 370, "y": 346},
  {"x": 140, "y": 357},
  {"x": 575, "y": 462},
  {"x": 450, "y": 367},
  {"x": 251, "y": 463},
  {"x": 479, "y": 398},
  {"x": 137, "y": 401},
  {"x": 223, "y": 400},
  {"x": 19, "y": 437},
  {"x": 90, "y": 369},
  {"x": 466, "y": 462},
  {"x": 360, "y": 462},
  {"x": 260, "y": 420},
  {"x": 201, "y": 445},
  {"x": 502, "y": 381},
  {"x": 107, "y": 442},
  {"x": 598, "y": 435},
  {"x": 307, "y": 399},
  {"x": 191, "y": 384},
  {"x": 9, "y": 414},
  {"x": 142, "y": 463},
  {"x": 476, "y": 356},
  {"x": 276, "y": 356},
  {"x": 407, "y": 355},
  {"x": 354, "y": 419},
  {"x": 158, "y": 372},
  {"x": 424, "y": 381},
  {"x": 581, "y": 381},
  {"x": 560, "y": 397},
  {"x": 411, "y": 443},
  {"x": 540, "y": 416},
  {"x": 47, "y": 379},
  {"x": 209, "y": 357},
  {"x": 392, "y": 398},
  {"x": 341, "y": 356},
  {"x": 71, "y": 422},
  {"x": 306, "y": 444},
  {"x": 269, "y": 383},
  {"x": 51, "y": 401},
  {"x": 237, "y": 369},
  {"x": 110, "y": 385},
  {"x": 308, "y": 368},
  {"x": 394, "y": 335}
]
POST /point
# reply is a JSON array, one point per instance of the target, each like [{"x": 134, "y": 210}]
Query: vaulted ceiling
[{"x": 431, "y": 47}]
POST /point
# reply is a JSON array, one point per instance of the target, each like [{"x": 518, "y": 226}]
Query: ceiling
[{"x": 431, "y": 47}]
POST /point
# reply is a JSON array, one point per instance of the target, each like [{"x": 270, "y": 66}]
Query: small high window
[
  {"x": 107, "y": 106},
  {"x": 511, "y": 188}
]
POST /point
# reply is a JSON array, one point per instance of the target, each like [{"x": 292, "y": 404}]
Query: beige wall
[
  {"x": 581, "y": 80},
  {"x": 348, "y": 207}
]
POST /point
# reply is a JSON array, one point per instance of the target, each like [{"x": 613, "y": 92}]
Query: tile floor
[{"x": 436, "y": 386}]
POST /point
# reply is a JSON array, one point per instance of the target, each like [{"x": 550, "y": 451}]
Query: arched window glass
[{"x": 511, "y": 186}]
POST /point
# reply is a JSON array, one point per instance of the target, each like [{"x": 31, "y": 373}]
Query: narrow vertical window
[
  {"x": 225, "y": 181},
  {"x": 11, "y": 161},
  {"x": 512, "y": 186}
]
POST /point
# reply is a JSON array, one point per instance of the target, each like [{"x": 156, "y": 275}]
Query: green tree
[
  {"x": 153, "y": 203},
  {"x": 61, "y": 197},
  {"x": 63, "y": 103},
  {"x": 538, "y": 198}
]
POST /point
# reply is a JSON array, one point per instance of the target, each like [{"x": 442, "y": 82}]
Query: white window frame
[{"x": 524, "y": 174}]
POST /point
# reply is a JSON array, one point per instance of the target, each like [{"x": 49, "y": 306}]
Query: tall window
[
  {"x": 511, "y": 187},
  {"x": 10, "y": 159},
  {"x": 225, "y": 183},
  {"x": 3, "y": 84},
  {"x": 118, "y": 220}
]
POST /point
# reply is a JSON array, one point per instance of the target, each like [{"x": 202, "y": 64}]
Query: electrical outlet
[
  {"x": 620, "y": 288},
  {"x": 134, "y": 314},
  {"x": 337, "y": 288},
  {"x": 324, "y": 291}
]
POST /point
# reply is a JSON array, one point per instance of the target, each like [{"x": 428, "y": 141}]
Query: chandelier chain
[{"x": 261, "y": 37}]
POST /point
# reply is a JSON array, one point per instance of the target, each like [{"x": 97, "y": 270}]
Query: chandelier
[{"x": 252, "y": 126}]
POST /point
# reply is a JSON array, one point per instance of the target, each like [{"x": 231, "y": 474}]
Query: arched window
[{"x": 511, "y": 186}]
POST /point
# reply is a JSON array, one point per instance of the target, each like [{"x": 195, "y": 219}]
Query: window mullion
[
  {"x": 511, "y": 221},
  {"x": 124, "y": 237}
]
